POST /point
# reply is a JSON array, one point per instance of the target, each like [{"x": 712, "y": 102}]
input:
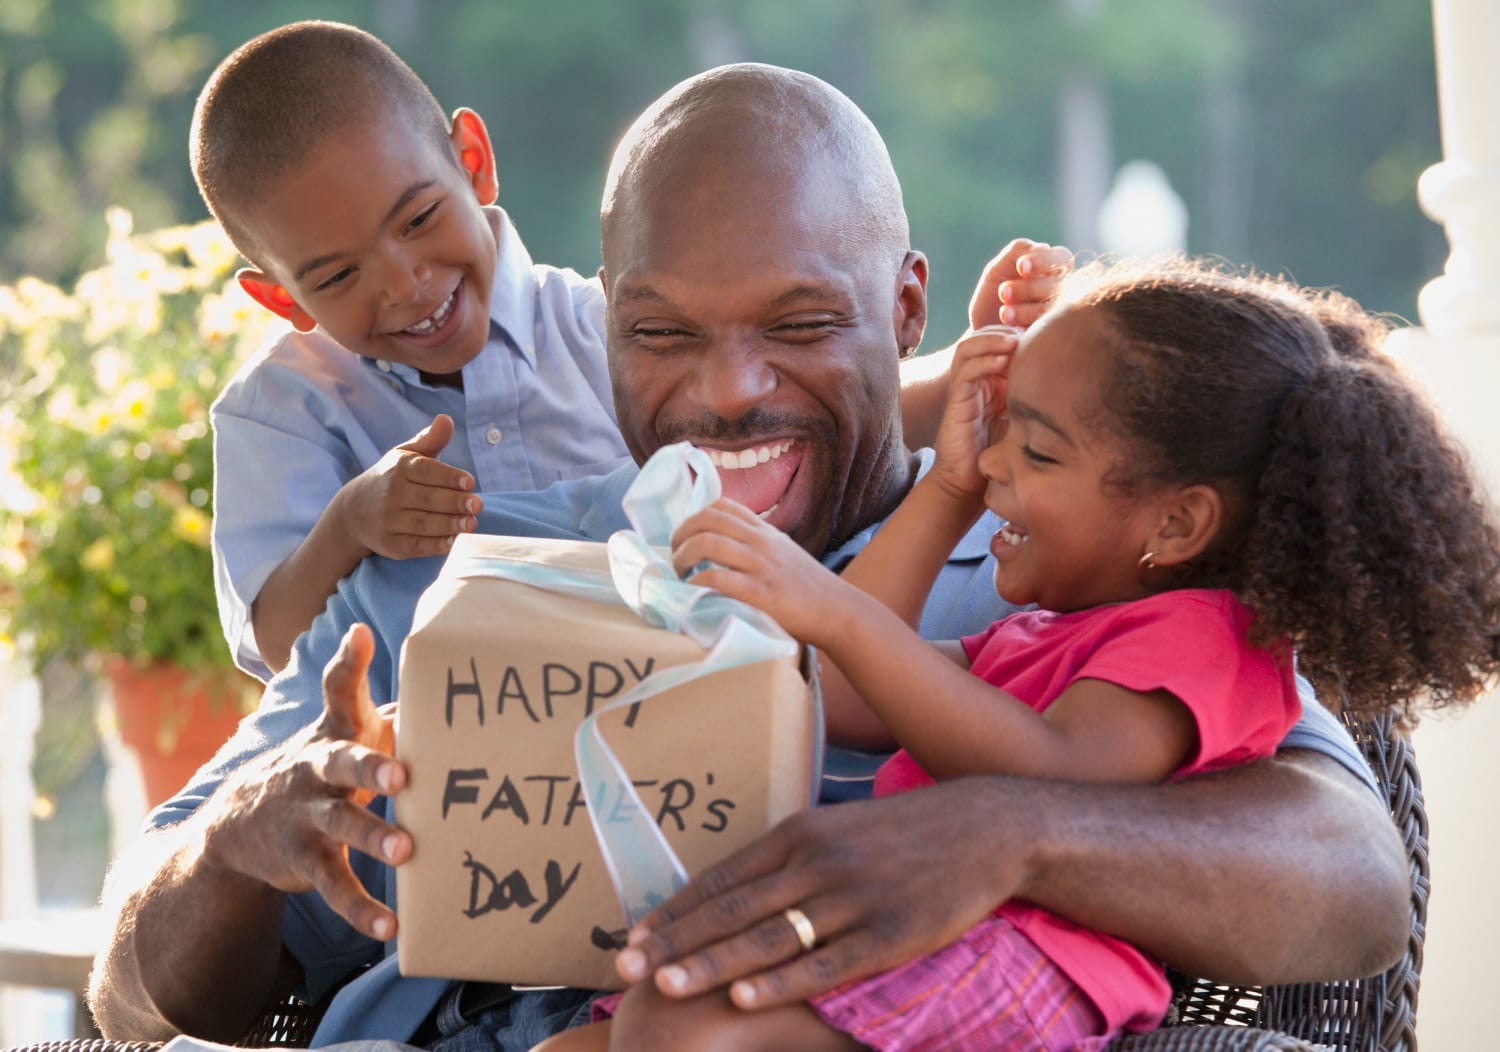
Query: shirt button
[
  {"x": 383, "y": 365},
  {"x": 492, "y": 436}
]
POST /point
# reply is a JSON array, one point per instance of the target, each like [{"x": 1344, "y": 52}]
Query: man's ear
[
  {"x": 1191, "y": 519},
  {"x": 275, "y": 298},
  {"x": 475, "y": 154},
  {"x": 910, "y": 315}
]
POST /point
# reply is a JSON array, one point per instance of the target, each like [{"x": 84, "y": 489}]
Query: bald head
[
  {"x": 760, "y": 286},
  {"x": 273, "y": 101},
  {"x": 765, "y": 128}
]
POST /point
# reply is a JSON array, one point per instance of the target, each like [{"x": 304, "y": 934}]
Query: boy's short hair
[{"x": 271, "y": 102}]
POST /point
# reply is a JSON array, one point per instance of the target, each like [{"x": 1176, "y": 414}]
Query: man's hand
[
  {"x": 411, "y": 504},
  {"x": 288, "y": 818},
  {"x": 882, "y": 883},
  {"x": 1017, "y": 285}
]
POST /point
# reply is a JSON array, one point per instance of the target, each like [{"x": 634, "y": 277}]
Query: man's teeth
[
  {"x": 1010, "y": 536},
  {"x": 735, "y": 459},
  {"x": 435, "y": 320}
]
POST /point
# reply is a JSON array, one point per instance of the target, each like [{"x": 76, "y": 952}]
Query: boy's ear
[
  {"x": 475, "y": 154},
  {"x": 1191, "y": 518},
  {"x": 275, "y": 298}
]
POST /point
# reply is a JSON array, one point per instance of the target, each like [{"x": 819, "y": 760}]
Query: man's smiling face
[{"x": 747, "y": 317}]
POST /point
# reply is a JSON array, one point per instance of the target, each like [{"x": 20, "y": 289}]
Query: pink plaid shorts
[{"x": 990, "y": 989}]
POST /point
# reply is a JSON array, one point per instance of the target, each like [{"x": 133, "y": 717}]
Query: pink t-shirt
[{"x": 1191, "y": 642}]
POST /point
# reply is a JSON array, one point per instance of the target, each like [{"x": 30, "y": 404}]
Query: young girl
[{"x": 1199, "y": 474}]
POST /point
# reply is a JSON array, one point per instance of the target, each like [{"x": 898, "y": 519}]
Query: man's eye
[
  {"x": 804, "y": 330},
  {"x": 654, "y": 332},
  {"x": 336, "y": 278}
]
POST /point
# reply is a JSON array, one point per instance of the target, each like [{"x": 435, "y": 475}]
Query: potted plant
[{"x": 106, "y": 480}]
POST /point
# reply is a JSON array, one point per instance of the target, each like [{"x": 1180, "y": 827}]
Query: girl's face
[{"x": 1069, "y": 543}]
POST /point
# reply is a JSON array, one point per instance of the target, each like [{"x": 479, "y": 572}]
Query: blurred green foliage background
[{"x": 1295, "y": 132}]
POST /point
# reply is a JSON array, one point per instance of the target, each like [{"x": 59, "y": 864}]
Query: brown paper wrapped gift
[{"x": 507, "y": 882}]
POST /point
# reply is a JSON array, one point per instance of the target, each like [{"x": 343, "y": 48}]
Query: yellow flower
[
  {"x": 207, "y": 247},
  {"x": 110, "y": 368},
  {"x": 191, "y": 525},
  {"x": 34, "y": 301},
  {"x": 98, "y": 556},
  {"x": 62, "y": 407},
  {"x": 226, "y": 314}
]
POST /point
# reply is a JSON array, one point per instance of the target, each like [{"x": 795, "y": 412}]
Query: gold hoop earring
[{"x": 1146, "y": 562}]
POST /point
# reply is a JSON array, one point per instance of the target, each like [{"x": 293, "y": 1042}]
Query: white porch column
[{"x": 1457, "y": 356}]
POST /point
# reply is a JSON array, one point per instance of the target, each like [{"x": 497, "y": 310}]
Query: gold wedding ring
[{"x": 802, "y": 926}]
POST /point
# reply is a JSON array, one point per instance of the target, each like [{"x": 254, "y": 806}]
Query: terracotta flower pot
[{"x": 174, "y": 719}]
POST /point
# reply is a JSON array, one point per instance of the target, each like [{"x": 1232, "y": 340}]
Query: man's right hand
[
  {"x": 410, "y": 504},
  {"x": 289, "y": 817}
]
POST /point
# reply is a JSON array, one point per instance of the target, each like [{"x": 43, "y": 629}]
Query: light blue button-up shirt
[
  {"x": 383, "y": 593},
  {"x": 304, "y": 416}
]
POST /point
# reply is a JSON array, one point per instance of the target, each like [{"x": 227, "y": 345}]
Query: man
[{"x": 761, "y": 289}]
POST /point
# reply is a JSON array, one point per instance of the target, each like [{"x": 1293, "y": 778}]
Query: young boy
[{"x": 369, "y": 220}]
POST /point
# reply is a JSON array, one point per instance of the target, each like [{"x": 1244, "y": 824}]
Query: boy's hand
[
  {"x": 756, "y": 563},
  {"x": 974, "y": 417},
  {"x": 411, "y": 504},
  {"x": 1018, "y": 284}
]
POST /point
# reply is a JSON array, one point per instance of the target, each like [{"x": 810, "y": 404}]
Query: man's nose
[{"x": 733, "y": 376}]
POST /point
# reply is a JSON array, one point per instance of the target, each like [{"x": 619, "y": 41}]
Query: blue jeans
[{"x": 527, "y": 1018}]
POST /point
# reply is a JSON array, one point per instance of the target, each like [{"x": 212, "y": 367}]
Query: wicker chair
[{"x": 1367, "y": 1015}]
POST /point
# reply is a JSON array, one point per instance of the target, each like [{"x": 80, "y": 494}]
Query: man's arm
[
  {"x": 1285, "y": 870},
  {"x": 196, "y": 944}
]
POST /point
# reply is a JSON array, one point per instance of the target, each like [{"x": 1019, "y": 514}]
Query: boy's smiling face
[{"x": 380, "y": 239}]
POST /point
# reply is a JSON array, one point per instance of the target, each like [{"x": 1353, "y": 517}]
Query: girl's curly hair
[{"x": 1355, "y": 527}]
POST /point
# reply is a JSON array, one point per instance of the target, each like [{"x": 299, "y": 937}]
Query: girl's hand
[
  {"x": 974, "y": 417},
  {"x": 756, "y": 563}
]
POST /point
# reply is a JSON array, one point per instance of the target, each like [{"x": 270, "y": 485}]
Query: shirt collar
[
  {"x": 973, "y": 546},
  {"x": 512, "y": 298},
  {"x": 513, "y": 294}
]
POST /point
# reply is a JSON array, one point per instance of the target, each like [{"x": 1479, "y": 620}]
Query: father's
[{"x": 761, "y": 287}]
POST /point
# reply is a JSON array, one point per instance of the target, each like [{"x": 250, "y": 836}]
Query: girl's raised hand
[
  {"x": 974, "y": 417},
  {"x": 756, "y": 563}
]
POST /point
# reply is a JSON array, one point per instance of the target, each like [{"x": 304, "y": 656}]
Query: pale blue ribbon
[{"x": 676, "y": 482}]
